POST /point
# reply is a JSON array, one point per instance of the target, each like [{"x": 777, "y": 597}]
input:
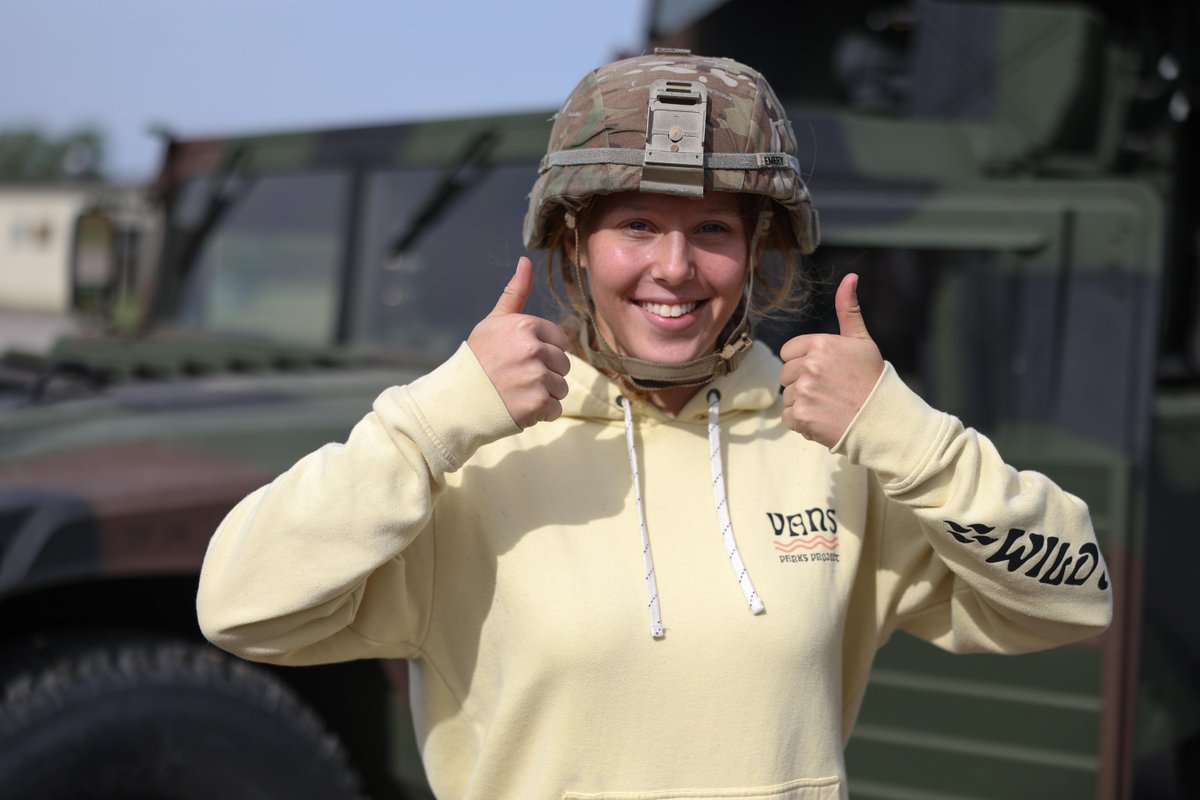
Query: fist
[
  {"x": 524, "y": 356},
  {"x": 826, "y": 377}
]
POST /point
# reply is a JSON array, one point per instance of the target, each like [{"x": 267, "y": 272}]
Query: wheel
[{"x": 163, "y": 721}]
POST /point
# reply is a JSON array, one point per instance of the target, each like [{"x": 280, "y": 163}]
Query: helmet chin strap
[{"x": 653, "y": 375}]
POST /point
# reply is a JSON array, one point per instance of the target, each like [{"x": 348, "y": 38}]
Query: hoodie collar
[{"x": 753, "y": 386}]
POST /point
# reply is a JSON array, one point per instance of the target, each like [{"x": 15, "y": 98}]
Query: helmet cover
[{"x": 704, "y": 123}]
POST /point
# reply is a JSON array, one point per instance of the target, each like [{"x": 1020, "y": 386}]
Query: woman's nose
[{"x": 673, "y": 259}]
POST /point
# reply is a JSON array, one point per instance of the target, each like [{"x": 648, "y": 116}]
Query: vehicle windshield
[
  {"x": 431, "y": 296},
  {"x": 272, "y": 266}
]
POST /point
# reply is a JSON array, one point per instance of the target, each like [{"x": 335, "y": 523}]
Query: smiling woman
[{"x": 543, "y": 528}]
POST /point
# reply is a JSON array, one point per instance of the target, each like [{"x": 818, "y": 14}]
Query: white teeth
[{"x": 664, "y": 310}]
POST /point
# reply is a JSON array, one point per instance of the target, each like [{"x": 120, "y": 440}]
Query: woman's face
[{"x": 666, "y": 273}]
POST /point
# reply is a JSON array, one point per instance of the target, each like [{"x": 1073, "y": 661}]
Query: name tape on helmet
[{"x": 635, "y": 158}]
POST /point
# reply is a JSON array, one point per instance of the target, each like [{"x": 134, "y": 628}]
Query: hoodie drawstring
[
  {"x": 656, "y": 626},
  {"x": 718, "y": 473},
  {"x": 735, "y": 557}
]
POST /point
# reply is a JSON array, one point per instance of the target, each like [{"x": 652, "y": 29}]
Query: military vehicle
[{"x": 1010, "y": 181}]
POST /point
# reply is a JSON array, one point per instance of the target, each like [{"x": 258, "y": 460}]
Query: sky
[{"x": 211, "y": 67}]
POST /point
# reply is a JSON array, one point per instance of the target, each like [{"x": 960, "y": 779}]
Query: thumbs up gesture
[
  {"x": 523, "y": 355},
  {"x": 826, "y": 378}
]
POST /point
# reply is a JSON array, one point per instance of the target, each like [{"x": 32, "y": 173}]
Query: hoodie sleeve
[
  {"x": 325, "y": 563},
  {"x": 974, "y": 555}
]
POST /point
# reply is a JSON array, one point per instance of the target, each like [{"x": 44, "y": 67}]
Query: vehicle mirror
[{"x": 93, "y": 263}]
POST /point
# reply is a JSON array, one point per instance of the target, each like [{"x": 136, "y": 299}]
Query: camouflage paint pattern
[{"x": 1038, "y": 259}]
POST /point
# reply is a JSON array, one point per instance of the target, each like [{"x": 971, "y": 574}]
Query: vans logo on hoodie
[
  {"x": 1048, "y": 559},
  {"x": 809, "y": 535}
]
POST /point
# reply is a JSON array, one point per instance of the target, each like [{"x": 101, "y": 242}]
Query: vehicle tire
[{"x": 163, "y": 721}]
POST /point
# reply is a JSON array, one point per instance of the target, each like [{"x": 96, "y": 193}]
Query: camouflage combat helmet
[
  {"x": 672, "y": 123},
  {"x": 679, "y": 124}
]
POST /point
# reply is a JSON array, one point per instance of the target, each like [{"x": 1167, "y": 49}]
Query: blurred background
[
  {"x": 117, "y": 71},
  {"x": 225, "y": 227},
  {"x": 95, "y": 90}
]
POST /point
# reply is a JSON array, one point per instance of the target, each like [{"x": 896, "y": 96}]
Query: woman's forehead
[{"x": 711, "y": 203}]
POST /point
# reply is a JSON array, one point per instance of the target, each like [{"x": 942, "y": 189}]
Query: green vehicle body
[{"x": 1010, "y": 181}]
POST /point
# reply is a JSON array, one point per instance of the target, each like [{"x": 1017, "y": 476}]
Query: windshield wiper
[
  {"x": 464, "y": 172},
  {"x": 226, "y": 190}
]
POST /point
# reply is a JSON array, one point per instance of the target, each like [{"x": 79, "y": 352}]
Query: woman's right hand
[{"x": 523, "y": 355}]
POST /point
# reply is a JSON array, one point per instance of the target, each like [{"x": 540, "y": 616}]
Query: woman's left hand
[{"x": 826, "y": 378}]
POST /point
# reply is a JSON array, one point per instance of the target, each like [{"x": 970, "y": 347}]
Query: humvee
[{"x": 1010, "y": 181}]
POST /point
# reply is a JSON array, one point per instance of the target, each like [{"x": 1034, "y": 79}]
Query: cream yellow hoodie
[{"x": 509, "y": 567}]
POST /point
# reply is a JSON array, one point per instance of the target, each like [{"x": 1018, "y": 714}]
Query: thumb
[
  {"x": 512, "y": 300},
  {"x": 849, "y": 313}
]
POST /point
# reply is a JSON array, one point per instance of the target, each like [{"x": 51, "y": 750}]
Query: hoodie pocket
[{"x": 802, "y": 789}]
